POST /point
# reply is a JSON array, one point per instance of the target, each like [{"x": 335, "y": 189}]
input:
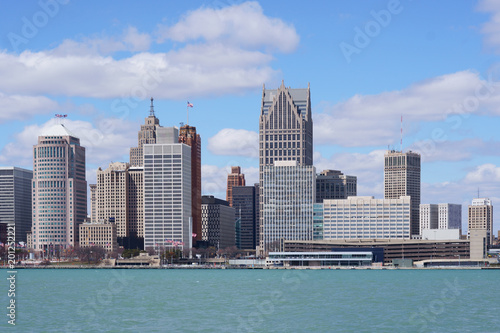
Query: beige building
[
  {"x": 481, "y": 217},
  {"x": 112, "y": 196},
  {"x": 102, "y": 234},
  {"x": 93, "y": 202},
  {"x": 146, "y": 135},
  {"x": 402, "y": 178},
  {"x": 235, "y": 178},
  {"x": 120, "y": 196}
]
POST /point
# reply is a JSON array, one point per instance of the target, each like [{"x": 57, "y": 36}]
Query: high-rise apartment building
[
  {"x": 59, "y": 189},
  {"x": 15, "y": 200},
  {"x": 333, "y": 184},
  {"x": 167, "y": 195},
  {"x": 366, "y": 217},
  {"x": 246, "y": 206},
  {"x": 188, "y": 136},
  {"x": 147, "y": 135},
  {"x": 288, "y": 194},
  {"x": 218, "y": 222},
  {"x": 402, "y": 178},
  {"x": 481, "y": 217},
  {"x": 285, "y": 134},
  {"x": 235, "y": 178}
]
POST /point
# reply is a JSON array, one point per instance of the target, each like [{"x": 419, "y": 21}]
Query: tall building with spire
[
  {"x": 146, "y": 135},
  {"x": 285, "y": 136},
  {"x": 59, "y": 190},
  {"x": 188, "y": 136},
  {"x": 235, "y": 178},
  {"x": 402, "y": 178}
]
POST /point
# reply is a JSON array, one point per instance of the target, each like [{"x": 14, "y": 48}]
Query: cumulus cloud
[
  {"x": 491, "y": 29},
  {"x": 234, "y": 142},
  {"x": 244, "y": 25},
  {"x": 374, "y": 119},
  {"x": 104, "y": 142},
  {"x": 20, "y": 107},
  {"x": 131, "y": 40},
  {"x": 176, "y": 74}
]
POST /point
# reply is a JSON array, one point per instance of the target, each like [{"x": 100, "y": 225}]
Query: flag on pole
[
  {"x": 190, "y": 105},
  {"x": 61, "y": 115}
]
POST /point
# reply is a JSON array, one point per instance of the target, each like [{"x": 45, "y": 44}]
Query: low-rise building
[{"x": 101, "y": 233}]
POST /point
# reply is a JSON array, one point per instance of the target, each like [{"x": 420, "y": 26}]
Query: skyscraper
[
  {"x": 285, "y": 134},
  {"x": 402, "y": 178},
  {"x": 112, "y": 196},
  {"x": 285, "y": 126},
  {"x": 59, "y": 189},
  {"x": 235, "y": 178},
  {"x": 481, "y": 217},
  {"x": 167, "y": 195},
  {"x": 189, "y": 137},
  {"x": 15, "y": 199},
  {"x": 146, "y": 135}
]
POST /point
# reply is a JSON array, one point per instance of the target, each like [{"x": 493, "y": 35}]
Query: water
[{"x": 254, "y": 301}]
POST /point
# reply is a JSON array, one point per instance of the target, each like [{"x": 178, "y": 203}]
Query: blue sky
[{"x": 368, "y": 63}]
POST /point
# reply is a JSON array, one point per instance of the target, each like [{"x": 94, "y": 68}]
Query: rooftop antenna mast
[
  {"x": 151, "y": 109},
  {"x": 401, "y": 133}
]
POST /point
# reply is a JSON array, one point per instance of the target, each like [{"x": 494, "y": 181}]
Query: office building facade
[
  {"x": 15, "y": 200},
  {"x": 481, "y": 217},
  {"x": 333, "y": 184},
  {"x": 246, "y": 206},
  {"x": 167, "y": 195},
  {"x": 402, "y": 178},
  {"x": 59, "y": 189},
  {"x": 441, "y": 216},
  {"x": 288, "y": 194},
  {"x": 218, "y": 222},
  {"x": 235, "y": 178},
  {"x": 367, "y": 217},
  {"x": 102, "y": 234},
  {"x": 188, "y": 136}
]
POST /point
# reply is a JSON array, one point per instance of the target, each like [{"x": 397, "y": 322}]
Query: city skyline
[{"x": 448, "y": 106}]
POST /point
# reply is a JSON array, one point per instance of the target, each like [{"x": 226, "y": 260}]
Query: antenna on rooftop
[
  {"x": 151, "y": 109},
  {"x": 401, "y": 133}
]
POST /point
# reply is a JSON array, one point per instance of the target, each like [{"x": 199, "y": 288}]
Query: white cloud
[
  {"x": 375, "y": 119},
  {"x": 244, "y": 25},
  {"x": 104, "y": 142},
  {"x": 461, "y": 150},
  {"x": 19, "y": 107},
  {"x": 131, "y": 40},
  {"x": 217, "y": 64},
  {"x": 484, "y": 174},
  {"x": 234, "y": 142},
  {"x": 193, "y": 71},
  {"x": 491, "y": 29}
]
